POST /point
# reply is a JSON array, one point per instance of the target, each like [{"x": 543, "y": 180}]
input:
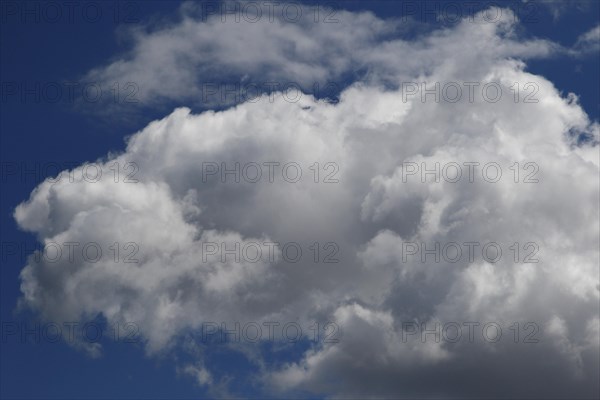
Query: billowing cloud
[{"x": 379, "y": 208}]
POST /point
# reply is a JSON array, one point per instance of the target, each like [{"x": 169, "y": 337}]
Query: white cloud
[
  {"x": 185, "y": 62},
  {"x": 589, "y": 42},
  {"x": 369, "y": 213},
  {"x": 201, "y": 374}
]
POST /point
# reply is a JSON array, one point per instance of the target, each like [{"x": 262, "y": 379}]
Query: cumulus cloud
[{"x": 376, "y": 294}]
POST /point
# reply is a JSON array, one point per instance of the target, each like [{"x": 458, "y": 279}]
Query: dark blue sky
[{"x": 38, "y": 133}]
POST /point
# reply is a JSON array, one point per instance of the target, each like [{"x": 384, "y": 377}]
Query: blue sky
[{"x": 41, "y": 133}]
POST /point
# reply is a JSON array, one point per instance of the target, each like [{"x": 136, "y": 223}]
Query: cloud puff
[{"x": 374, "y": 294}]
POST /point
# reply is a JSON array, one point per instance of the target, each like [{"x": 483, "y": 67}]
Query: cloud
[
  {"x": 374, "y": 294},
  {"x": 201, "y": 374},
  {"x": 588, "y": 43},
  {"x": 558, "y": 9},
  {"x": 189, "y": 62}
]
